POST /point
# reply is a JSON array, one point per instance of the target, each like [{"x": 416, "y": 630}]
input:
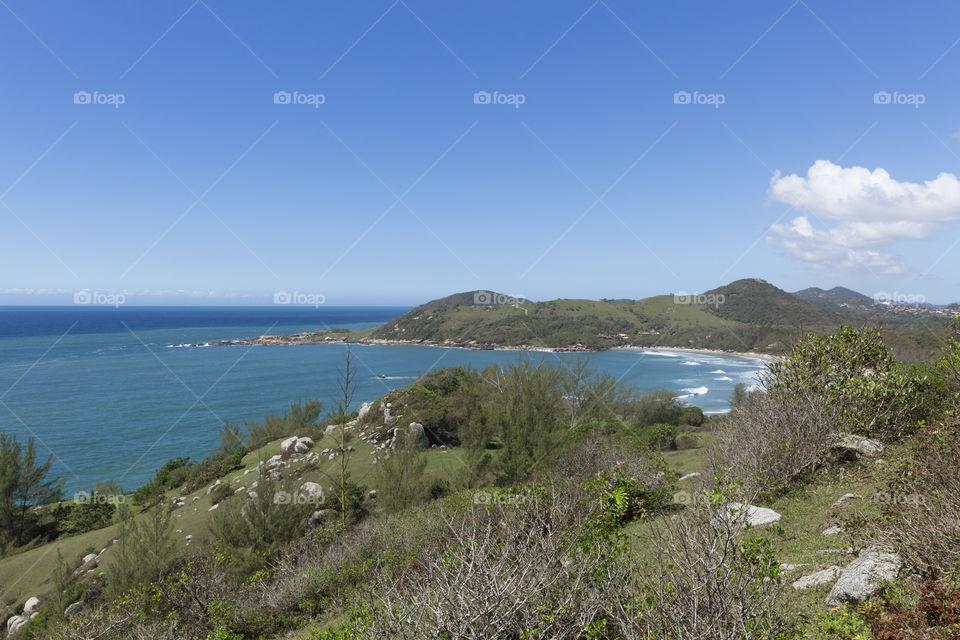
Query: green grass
[{"x": 28, "y": 573}]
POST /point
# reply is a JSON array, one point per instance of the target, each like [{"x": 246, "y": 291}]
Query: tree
[
  {"x": 345, "y": 386},
  {"x": 23, "y": 485},
  {"x": 400, "y": 475},
  {"x": 739, "y": 395}
]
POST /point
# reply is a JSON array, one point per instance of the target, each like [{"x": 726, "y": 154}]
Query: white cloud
[{"x": 863, "y": 211}]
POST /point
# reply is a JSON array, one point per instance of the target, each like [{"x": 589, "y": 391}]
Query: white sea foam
[
  {"x": 724, "y": 379},
  {"x": 697, "y": 391},
  {"x": 665, "y": 354},
  {"x": 718, "y": 371},
  {"x": 691, "y": 363}
]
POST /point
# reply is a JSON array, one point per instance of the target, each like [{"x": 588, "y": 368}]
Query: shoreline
[{"x": 302, "y": 339}]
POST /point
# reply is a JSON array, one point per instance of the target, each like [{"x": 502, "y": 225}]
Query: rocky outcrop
[
  {"x": 851, "y": 447},
  {"x": 418, "y": 435},
  {"x": 753, "y": 516},
  {"x": 863, "y": 577},
  {"x": 817, "y": 578},
  {"x": 32, "y": 604},
  {"x": 312, "y": 491}
]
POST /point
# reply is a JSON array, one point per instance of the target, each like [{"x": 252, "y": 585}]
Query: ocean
[{"x": 110, "y": 395}]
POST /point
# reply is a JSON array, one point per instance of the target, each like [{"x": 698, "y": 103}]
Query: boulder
[
  {"x": 319, "y": 516},
  {"x": 852, "y": 447},
  {"x": 845, "y": 497},
  {"x": 214, "y": 507},
  {"x": 753, "y": 516},
  {"x": 831, "y": 531},
  {"x": 862, "y": 578},
  {"x": 14, "y": 624},
  {"x": 286, "y": 447},
  {"x": 90, "y": 557},
  {"x": 419, "y": 435},
  {"x": 332, "y": 429},
  {"x": 32, "y": 603},
  {"x": 695, "y": 474},
  {"x": 302, "y": 445},
  {"x": 817, "y": 578},
  {"x": 364, "y": 410},
  {"x": 72, "y": 609},
  {"x": 312, "y": 490}
]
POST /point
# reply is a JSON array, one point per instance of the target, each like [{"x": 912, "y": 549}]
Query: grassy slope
[
  {"x": 28, "y": 573},
  {"x": 751, "y": 315}
]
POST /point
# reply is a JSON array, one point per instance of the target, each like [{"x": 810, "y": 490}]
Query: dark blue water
[{"x": 107, "y": 394}]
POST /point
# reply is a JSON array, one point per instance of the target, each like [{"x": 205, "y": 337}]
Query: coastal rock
[
  {"x": 286, "y": 447},
  {"x": 14, "y": 624},
  {"x": 845, "y": 497},
  {"x": 419, "y": 435},
  {"x": 302, "y": 445},
  {"x": 852, "y": 447},
  {"x": 364, "y": 410},
  {"x": 312, "y": 491},
  {"x": 90, "y": 558},
  {"x": 31, "y": 604},
  {"x": 753, "y": 516},
  {"x": 862, "y": 578},
  {"x": 817, "y": 578},
  {"x": 319, "y": 516},
  {"x": 214, "y": 507},
  {"x": 72, "y": 609},
  {"x": 831, "y": 531}
]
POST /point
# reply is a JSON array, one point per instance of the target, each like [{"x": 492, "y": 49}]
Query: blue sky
[{"x": 201, "y": 189}]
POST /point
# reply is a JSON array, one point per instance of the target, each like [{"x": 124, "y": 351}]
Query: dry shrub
[
  {"x": 771, "y": 439},
  {"x": 931, "y": 612},
  {"x": 503, "y": 570},
  {"x": 709, "y": 579},
  {"x": 923, "y": 509}
]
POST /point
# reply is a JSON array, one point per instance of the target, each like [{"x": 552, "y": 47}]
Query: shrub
[
  {"x": 923, "y": 516},
  {"x": 771, "y": 439},
  {"x": 853, "y": 371},
  {"x": 708, "y": 579},
  {"x": 688, "y": 441}
]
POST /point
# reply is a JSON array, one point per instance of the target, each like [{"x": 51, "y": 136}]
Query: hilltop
[{"x": 745, "y": 315}]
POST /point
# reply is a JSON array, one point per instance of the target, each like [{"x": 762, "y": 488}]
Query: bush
[
  {"x": 923, "y": 514},
  {"x": 688, "y": 441},
  {"x": 771, "y": 439},
  {"x": 853, "y": 372}
]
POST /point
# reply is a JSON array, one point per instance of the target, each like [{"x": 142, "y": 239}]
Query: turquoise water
[{"x": 109, "y": 395}]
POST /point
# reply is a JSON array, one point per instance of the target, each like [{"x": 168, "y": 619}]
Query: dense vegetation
[{"x": 559, "y": 515}]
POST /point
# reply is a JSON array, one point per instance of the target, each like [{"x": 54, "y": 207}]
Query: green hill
[
  {"x": 745, "y": 315},
  {"x": 838, "y": 298}
]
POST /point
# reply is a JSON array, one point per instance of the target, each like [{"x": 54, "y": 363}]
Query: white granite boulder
[{"x": 863, "y": 577}]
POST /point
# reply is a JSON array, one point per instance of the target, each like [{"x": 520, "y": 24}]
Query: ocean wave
[
  {"x": 665, "y": 354},
  {"x": 691, "y": 363},
  {"x": 724, "y": 379},
  {"x": 718, "y": 371},
  {"x": 697, "y": 391}
]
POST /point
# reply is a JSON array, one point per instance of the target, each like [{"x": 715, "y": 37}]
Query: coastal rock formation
[
  {"x": 31, "y": 605},
  {"x": 418, "y": 435},
  {"x": 312, "y": 490},
  {"x": 817, "y": 578},
  {"x": 862, "y": 578},
  {"x": 753, "y": 516},
  {"x": 851, "y": 447}
]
